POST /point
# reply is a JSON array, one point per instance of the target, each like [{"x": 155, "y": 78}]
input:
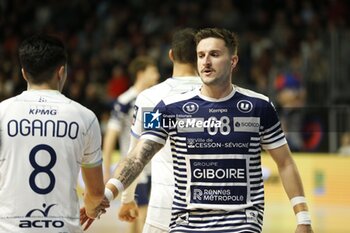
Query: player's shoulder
[
  {"x": 153, "y": 95},
  {"x": 7, "y": 103},
  {"x": 159, "y": 90},
  {"x": 180, "y": 97},
  {"x": 252, "y": 94}
]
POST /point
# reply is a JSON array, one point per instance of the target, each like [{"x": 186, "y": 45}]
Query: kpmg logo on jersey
[
  {"x": 245, "y": 106},
  {"x": 42, "y": 219},
  {"x": 42, "y": 110}
]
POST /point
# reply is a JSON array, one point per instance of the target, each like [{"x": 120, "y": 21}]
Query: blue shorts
[{"x": 142, "y": 192}]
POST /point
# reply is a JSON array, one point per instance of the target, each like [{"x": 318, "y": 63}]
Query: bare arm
[
  {"x": 129, "y": 193},
  {"x": 109, "y": 142},
  {"x": 94, "y": 189},
  {"x": 130, "y": 167},
  {"x": 288, "y": 171},
  {"x": 291, "y": 180}
]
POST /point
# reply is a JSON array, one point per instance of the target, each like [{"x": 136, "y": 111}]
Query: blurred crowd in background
[{"x": 294, "y": 51}]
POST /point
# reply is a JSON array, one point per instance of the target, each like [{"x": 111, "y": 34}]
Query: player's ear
[
  {"x": 171, "y": 55},
  {"x": 234, "y": 61},
  {"x": 61, "y": 72},
  {"x": 24, "y": 74},
  {"x": 62, "y": 76}
]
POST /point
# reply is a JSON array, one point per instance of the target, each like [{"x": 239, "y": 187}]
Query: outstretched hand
[
  {"x": 87, "y": 219},
  {"x": 84, "y": 219},
  {"x": 128, "y": 211}
]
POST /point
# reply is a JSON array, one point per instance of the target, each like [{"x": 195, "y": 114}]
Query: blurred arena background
[{"x": 296, "y": 52}]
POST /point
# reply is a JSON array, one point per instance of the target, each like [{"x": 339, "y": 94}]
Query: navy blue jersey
[{"x": 216, "y": 145}]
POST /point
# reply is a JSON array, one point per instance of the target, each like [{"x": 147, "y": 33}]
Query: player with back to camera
[
  {"x": 45, "y": 139},
  {"x": 144, "y": 72},
  {"x": 184, "y": 78}
]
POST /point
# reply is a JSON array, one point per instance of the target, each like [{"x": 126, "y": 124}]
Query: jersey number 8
[
  {"x": 42, "y": 169},
  {"x": 224, "y": 129}
]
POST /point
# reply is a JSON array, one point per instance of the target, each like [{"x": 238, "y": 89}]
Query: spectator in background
[
  {"x": 344, "y": 148},
  {"x": 291, "y": 97},
  {"x": 118, "y": 83},
  {"x": 144, "y": 72},
  {"x": 93, "y": 100}
]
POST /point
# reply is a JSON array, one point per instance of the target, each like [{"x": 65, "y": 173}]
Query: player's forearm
[
  {"x": 292, "y": 183},
  {"x": 291, "y": 179},
  {"x": 130, "y": 167},
  {"x": 92, "y": 200},
  {"x": 293, "y": 186},
  {"x": 128, "y": 194},
  {"x": 109, "y": 142},
  {"x": 94, "y": 186}
]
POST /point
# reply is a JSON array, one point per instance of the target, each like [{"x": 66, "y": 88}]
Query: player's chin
[{"x": 208, "y": 80}]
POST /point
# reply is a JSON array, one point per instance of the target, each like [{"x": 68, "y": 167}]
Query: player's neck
[
  {"x": 140, "y": 86},
  {"x": 216, "y": 91},
  {"x": 183, "y": 70},
  {"x": 39, "y": 87}
]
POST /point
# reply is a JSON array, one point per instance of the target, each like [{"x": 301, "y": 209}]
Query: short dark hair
[
  {"x": 184, "y": 46},
  {"x": 40, "y": 55},
  {"x": 229, "y": 37},
  {"x": 140, "y": 63}
]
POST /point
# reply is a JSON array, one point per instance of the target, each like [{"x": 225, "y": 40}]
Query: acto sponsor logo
[{"x": 42, "y": 223}]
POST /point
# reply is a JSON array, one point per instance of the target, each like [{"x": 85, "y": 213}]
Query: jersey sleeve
[
  {"x": 119, "y": 112},
  {"x": 154, "y": 127},
  {"x": 92, "y": 153},
  {"x": 272, "y": 135}
]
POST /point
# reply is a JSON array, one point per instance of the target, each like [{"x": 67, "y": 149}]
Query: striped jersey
[
  {"x": 45, "y": 139},
  {"x": 216, "y": 146},
  {"x": 159, "y": 207}
]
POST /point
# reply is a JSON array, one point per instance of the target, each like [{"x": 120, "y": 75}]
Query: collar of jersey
[
  {"x": 187, "y": 78},
  {"x": 229, "y": 96},
  {"x": 43, "y": 91}
]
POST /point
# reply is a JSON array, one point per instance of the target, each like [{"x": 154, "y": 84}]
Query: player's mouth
[{"x": 207, "y": 71}]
